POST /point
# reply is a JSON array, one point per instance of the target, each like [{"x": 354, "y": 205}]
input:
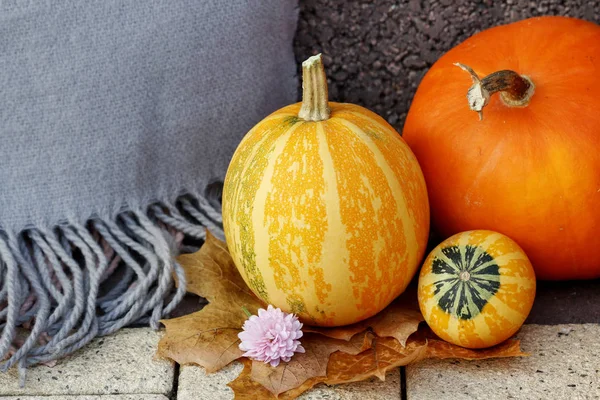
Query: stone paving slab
[
  {"x": 105, "y": 397},
  {"x": 195, "y": 383},
  {"x": 370, "y": 389},
  {"x": 564, "y": 364},
  {"x": 122, "y": 363}
]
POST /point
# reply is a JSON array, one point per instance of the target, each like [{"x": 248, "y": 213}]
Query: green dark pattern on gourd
[{"x": 467, "y": 278}]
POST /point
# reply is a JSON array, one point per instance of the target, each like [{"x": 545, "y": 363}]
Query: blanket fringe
[{"x": 62, "y": 287}]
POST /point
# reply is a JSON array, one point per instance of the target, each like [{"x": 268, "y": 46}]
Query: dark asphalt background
[{"x": 376, "y": 53}]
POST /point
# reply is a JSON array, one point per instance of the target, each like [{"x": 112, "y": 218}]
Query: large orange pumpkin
[
  {"x": 530, "y": 168},
  {"x": 325, "y": 208}
]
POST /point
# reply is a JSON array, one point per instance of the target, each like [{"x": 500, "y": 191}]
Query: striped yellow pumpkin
[
  {"x": 476, "y": 289},
  {"x": 325, "y": 208}
]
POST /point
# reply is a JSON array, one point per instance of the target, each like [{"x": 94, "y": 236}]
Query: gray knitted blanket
[{"x": 117, "y": 123}]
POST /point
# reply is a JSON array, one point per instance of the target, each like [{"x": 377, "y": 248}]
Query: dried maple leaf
[
  {"x": 211, "y": 272},
  {"x": 209, "y": 336},
  {"x": 385, "y": 354},
  {"x": 438, "y": 348},
  {"x": 441, "y": 349},
  {"x": 340, "y": 332},
  {"x": 398, "y": 320},
  {"x": 308, "y": 365},
  {"x": 245, "y": 388}
]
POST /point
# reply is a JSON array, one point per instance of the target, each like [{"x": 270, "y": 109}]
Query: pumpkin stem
[
  {"x": 515, "y": 90},
  {"x": 314, "y": 91}
]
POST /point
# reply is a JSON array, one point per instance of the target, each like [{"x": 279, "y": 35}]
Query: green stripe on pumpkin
[{"x": 247, "y": 182}]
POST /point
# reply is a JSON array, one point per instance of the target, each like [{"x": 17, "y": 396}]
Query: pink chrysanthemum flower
[{"x": 272, "y": 336}]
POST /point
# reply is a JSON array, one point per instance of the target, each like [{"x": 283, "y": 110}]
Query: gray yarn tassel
[{"x": 70, "y": 283}]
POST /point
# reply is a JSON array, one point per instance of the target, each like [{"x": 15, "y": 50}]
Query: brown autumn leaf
[
  {"x": 209, "y": 336},
  {"x": 440, "y": 349},
  {"x": 339, "y": 332},
  {"x": 385, "y": 354},
  {"x": 245, "y": 388},
  {"x": 211, "y": 272},
  {"x": 398, "y": 320},
  {"x": 308, "y": 365}
]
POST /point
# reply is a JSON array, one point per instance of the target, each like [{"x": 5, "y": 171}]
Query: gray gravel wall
[{"x": 376, "y": 52}]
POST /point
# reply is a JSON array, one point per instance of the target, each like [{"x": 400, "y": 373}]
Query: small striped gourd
[
  {"x": 325, "y": 208},
  {"x": 476, "y": 289}
]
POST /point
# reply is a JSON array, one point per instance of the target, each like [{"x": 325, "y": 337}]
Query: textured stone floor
[{"x": 564, "y": 364}]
